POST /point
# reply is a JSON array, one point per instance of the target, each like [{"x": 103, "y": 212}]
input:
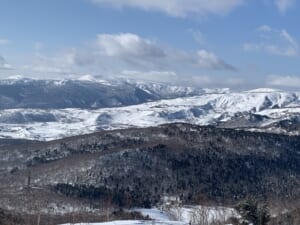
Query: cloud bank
[
  {"x": 114, "y": 53},
  {"x": 283, "y": 81}
]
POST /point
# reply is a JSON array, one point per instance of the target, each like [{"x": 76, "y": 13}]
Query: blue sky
[{"x": 229, "y": 43}]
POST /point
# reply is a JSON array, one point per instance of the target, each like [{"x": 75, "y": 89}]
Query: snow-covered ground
[
  {"x": 178, "y": 216},
  {"x": 205, "y": 109},
  {"x": 154, "y": 214},
  {"x": 135, "y": 222}
]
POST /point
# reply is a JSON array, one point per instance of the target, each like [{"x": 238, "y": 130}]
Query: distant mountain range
[
  {"x": 85, "y": 93},
  {"x": 52, "y": 109}
]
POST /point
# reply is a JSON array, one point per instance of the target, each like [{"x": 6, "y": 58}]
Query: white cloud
[
  {"x": 38, "y": 46},
  {"x": 107, "y": 50},
  {"x": 4, "y": 41},
  {"x": 283, "y": 81},
  {"x": 128, "y": 44},
  {"x": 113, "y": 53},
  {"x": 45, "y": 69},
  {"x": 3, "y": 64},
  {"x": 275, "y": 42},
  {"x": 204, "y": 81},
  {"x": 210, "y": 61},
  {"x": 158, "y": 76},
  {"x": 177, "y": 8},
  {"x": 198, "y": 36},
  {"x": 60, "y": 64},
  {"x": 284, "y": 5},
  {"x": 212, "y": 81},
  {"x": 264, "y": 28},
  {"x": 286, "y": 36},
  {"x": 136, "y": 50}
]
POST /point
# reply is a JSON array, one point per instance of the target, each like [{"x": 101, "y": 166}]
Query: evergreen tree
[{"x": 253, "y": 212}]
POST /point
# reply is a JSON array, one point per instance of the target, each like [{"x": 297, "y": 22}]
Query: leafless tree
[
  {"x": 200, "y": 216},
  {"x": 108, "y": 206}
]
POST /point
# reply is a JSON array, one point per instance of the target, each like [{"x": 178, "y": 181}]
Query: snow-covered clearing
[{"x": 177, "y": 216}]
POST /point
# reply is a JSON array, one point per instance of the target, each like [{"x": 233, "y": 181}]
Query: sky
[{"x": 207, "y": 43}]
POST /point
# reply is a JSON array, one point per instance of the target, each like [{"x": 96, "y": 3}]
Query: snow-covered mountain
[
  {"x": 86, "y": 93},
  {"x": 261, "y": 110}
]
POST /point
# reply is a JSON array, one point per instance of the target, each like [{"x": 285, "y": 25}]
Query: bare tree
[
  {"x": 200, "y": 216},
  {"x": 177, "y": 213},
  {"x": 108, "y": 206},
  {"x": 29, "y": 174}
]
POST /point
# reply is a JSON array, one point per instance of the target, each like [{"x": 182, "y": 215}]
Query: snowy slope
[
  {"x": 266, "y": 107},
  {"x": 181, "y": 216},
  {"x": 135, "y": 222}
]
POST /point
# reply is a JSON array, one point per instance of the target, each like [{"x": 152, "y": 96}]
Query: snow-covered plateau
[{"x": 260, "y": 110}]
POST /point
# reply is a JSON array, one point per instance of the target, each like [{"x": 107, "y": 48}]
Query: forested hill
[{"x": 141, "y": 165}]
